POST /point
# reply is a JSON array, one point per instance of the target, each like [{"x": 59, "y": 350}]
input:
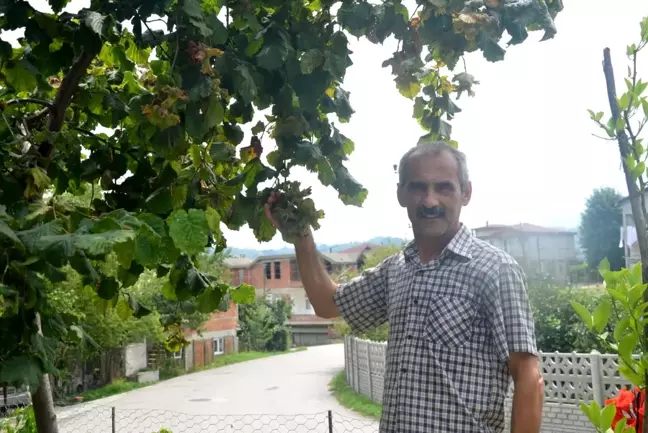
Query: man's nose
[{"x": 430, "y": 199}]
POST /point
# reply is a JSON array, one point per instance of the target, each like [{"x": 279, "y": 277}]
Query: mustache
[{"x": 426, "y": 212}]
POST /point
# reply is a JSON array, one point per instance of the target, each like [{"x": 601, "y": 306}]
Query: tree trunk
[
  {"x": 42, "y": 400},
  {"x": 633, "y": 190}
]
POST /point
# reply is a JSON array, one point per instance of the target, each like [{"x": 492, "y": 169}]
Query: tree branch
[
  {"x": 42, "y": 102},
  {"x": 68, "y": 87},
  {"x": 638, "y": 214}
]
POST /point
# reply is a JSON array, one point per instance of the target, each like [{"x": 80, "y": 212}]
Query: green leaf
[
  {"x": 57, "y": 5},
  {"x": 7, "y": 233},
  {"x": 272, "y": 57},
  {"x": 180, "y": 195},
  {"x": 584, "y": 314},
  {"x": 213, "y": 220},
  {"x": 621, "y": 327},
  {"x": 221, "y": 151},
  {"x": 168, "y": 291},
  {"x": 408, "y": 87},
  {"x": 108, "y": 288},
  {"x": 196, "y": 17},
  {"x": 604, "y": 266},
  {"x": 607, "y": 416},
  {"x": 189, "y": 230},
  {"x": 21, "y": 370},
  {"x": 245, "y": 84},
  {"x": 627, "y": 346},
  {"x": 20, "y": 78},
  {"x": 624, "y": 101},
  {"x": 215, "y": 112},
  {"x": 601, "y": 315},
  {"x": 310, "y": 60},
  {"x": 102, "y": 243},
  {"x": 644, "y": 105},
  {"x": 243, "y": 294},
  {"x": 123, "y": 309},
  {"x": 630, "y": 374},
  {"x": 94, "y": 20}
]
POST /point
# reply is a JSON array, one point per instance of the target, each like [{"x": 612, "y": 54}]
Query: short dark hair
[{"x": 434, "y": 147}]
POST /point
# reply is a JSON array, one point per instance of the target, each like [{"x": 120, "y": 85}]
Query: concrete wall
[
  {"x": 135, "y": 358},
  {"x": 569, "y": 379}
]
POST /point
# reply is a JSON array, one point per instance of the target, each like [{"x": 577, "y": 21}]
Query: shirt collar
[{"x": 460, "y": 245}]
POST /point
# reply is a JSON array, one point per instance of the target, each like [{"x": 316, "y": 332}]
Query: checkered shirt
[{"x": 452, "y": 324}]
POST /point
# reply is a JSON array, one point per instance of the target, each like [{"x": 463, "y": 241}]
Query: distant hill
[{"x": 253, "y": 253}]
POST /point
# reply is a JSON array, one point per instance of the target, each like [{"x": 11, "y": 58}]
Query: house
[
  {"x": 276, "y": 276},
  {"x": 543, "y": 250},
  {"x": 216, "y": 337}
]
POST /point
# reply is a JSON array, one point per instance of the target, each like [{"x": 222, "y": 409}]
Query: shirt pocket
[{"x": 450, "y": 321}]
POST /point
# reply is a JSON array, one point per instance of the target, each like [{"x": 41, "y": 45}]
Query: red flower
[{"x": 630, "y": 405}]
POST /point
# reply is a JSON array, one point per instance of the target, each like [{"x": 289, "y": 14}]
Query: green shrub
[
  {"x": 19, "y": 421},
  {"x": 280, "y": 341}
]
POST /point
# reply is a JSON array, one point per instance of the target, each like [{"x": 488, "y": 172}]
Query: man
[{"x": 460, "y": 324}]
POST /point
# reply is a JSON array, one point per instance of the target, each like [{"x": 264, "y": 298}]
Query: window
[
  {"x": 294, "y": 271},
  {"x": 277, "y": 266},
  {"x": 178, "y": 354},
  {"x": 219, "y": 346},
  {"x": 268, "y": 271}
]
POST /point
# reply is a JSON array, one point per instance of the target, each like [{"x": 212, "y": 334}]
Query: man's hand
[
  {"x": 528, "y": 394},
  {"x": 267, "y": 207}
]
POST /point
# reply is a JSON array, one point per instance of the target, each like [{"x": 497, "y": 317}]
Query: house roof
[
  {"x": 246, "y": 262},
  {"x": 342, "y": 258},
  {"x": 501, "y": 229},
  {"x": 359, "y": 248}
]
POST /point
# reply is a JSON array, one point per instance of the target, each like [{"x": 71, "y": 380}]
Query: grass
[
  {"x": 350, "y": 399},
  {"x": 117, "y": 386},
  {"x": 235, "y": 358}
]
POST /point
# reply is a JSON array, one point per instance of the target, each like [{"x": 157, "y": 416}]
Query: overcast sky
[{"x": 526, "y": 133}]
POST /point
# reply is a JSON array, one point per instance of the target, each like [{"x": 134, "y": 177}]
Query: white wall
[{"x": 135, "y": 357}]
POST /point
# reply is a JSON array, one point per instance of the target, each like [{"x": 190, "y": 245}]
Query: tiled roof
[
  {"x": 359, "y": 248},
  {"x": 342, "y": 258},
  {"x": 501, "y": 229}
]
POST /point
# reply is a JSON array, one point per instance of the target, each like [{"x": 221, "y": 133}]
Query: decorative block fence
[{"x": 569, "y": 379}]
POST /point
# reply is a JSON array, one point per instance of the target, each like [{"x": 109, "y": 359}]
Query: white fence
[{"x": 569, "y": 379}]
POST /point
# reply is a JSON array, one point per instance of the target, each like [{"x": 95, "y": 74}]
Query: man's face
[{"x": 432, "y": 194}]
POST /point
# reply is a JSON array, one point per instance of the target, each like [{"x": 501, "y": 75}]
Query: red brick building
[
  {"x": 217, "y": 337},
  {"x": 276, "y": 276}
]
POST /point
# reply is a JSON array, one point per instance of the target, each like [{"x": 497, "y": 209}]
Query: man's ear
[
  {"x": 400, "y": 193},
  {"x": 467, "y": 194}
]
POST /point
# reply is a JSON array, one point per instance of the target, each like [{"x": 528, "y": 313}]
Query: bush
[
  {"x": 19, "y": 421},
  {"x": 280, "y": 341},
  {"x": 170, "y": 369},
  {"x": 558, "y": 327},
  {"x": 263, "y": 325}
]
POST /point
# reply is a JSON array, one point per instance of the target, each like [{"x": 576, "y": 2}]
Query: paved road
[{"x": 286, "y": 393}]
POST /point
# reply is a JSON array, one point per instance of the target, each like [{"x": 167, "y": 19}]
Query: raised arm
[{"x": 362, "y": 303}]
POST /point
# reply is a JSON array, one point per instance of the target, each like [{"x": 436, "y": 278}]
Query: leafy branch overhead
[{"x": 122, "y": 140}]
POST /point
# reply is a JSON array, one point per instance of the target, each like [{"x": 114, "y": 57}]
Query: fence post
[
  {"x": 330, "y": 421},
  {"x": 356, "y": 367},
  {"x": 597, "y": 382},
  {"x": 113, "y": 422},
  {"x": 369, "y": 369}
]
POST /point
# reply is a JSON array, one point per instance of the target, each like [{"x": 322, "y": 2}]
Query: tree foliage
[
  {"x": 263, "y": 325},
  {"x": 628, "y": 296},
  {"x": 600, "y": 228},
  {"x": 159, "y": 118}
]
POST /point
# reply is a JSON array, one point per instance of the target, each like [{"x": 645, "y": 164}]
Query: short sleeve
[
  {"x": 362, "y": 302},
  {"x": 510, "y": 313}
]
